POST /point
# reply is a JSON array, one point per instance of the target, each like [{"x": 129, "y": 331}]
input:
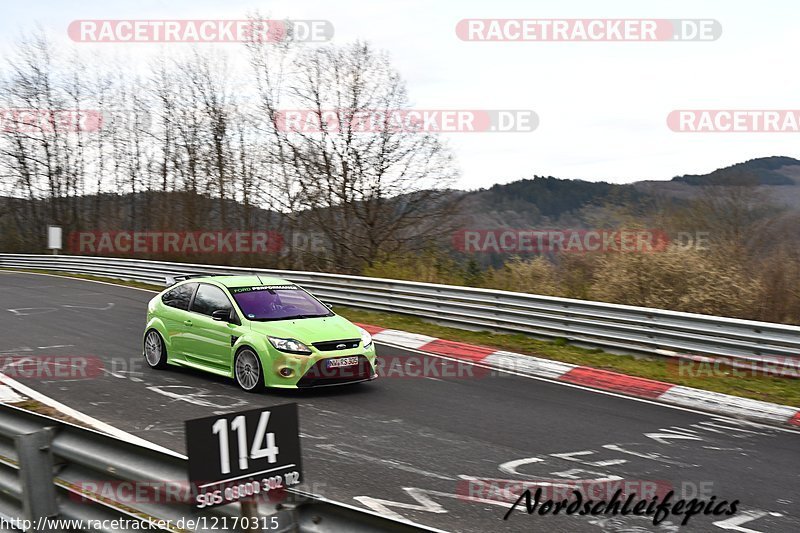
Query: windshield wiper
[
  {"x": 305, "y": 316},
  {"x": 292, "y": 317}
]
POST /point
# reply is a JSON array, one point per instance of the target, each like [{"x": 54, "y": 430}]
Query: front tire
[
  {"x": 155, "y": 353},
  {"x": 247, "y": 371}
]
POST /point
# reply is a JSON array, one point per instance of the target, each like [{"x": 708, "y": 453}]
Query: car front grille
[
  {"x": 332, "y": 346},
  {"x": 319, "y": 375}
]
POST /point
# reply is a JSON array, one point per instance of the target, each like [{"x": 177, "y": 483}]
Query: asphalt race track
[{"x": 407, "y": 446}]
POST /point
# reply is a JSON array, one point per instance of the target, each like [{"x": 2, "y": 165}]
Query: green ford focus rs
[{"x": 261, "y": 331}]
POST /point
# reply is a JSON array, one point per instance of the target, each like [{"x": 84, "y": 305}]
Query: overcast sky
[{"x": 602, "y": 106}]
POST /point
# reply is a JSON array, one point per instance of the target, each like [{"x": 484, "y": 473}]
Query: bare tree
[
  {"x": 369, "y": 192},
  {"x": 40, "y": 152}
]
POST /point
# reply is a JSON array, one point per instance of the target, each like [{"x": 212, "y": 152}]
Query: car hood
[{"x": 309, "y": 330}]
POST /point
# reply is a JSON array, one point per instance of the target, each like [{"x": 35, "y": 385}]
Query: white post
[{"x": 54, "y": 238}]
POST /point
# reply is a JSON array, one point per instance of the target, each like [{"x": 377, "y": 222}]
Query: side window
[
  {"x": 210, "y": 298},
  {"x": 180, "y": 296}
]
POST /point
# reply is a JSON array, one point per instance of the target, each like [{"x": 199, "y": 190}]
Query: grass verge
[
  {"x": 42, "y": 409},
  {"x": 780, "y": 390}
]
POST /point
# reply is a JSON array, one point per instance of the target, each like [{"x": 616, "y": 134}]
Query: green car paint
[{"x": 260, "y": 331}]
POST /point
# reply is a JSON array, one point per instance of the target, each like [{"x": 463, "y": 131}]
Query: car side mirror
[
  {"x": 222, "y": 315},
  {"x": 329, "y": 306}
]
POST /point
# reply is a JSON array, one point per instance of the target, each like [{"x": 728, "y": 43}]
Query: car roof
[{"x": 243, "y": 281}]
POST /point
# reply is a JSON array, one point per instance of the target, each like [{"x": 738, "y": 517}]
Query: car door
[
  {"x": 176, "y": 315},
  {"x": 209, "y": 341}
]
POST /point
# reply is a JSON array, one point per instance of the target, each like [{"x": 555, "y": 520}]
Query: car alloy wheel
[
  {"x": 154, "y": 352},
  {"x": 248, "y": 371}
]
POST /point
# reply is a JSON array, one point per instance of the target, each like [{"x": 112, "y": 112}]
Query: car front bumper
[
  {"x": 319, "y": 375},
  {"x": 310, "y": 372}
]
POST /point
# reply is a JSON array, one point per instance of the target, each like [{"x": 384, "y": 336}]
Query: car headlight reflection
[
  {"x": 366, "y": 339},
  {"x": 289, "y": 345}
]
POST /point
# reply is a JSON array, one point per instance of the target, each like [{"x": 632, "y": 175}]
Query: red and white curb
[{"x": 592, "y": 377}]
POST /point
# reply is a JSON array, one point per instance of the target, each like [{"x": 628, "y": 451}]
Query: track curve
[{"x": 406, "y": 446}]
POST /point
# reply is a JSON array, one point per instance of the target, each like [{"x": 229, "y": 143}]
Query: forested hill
[
  {"x": 776, "y": 170},
  {"x": 568, "y": 201},
  {"x": 552, "y": 197}
]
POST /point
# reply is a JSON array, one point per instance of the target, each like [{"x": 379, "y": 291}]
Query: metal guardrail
[
  {"x": 50, "y": 469},
  {"x": 609, "y": 326}
]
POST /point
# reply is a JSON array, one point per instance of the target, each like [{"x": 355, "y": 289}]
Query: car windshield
[{"x": 278, "y": 302}]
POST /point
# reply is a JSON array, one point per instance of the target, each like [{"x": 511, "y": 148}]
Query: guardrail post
[{"x": 36, "y": 476}]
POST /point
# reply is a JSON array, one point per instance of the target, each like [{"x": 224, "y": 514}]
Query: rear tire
[
  {"x": 247, "y": 371},
  {"x": 155, "y": 352}
]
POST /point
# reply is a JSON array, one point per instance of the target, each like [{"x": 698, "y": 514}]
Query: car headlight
[
  {"x": 289, "y": 345},
  {"x": 366, "y": 339}
]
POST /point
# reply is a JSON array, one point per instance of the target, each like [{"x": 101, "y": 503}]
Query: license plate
[{"x": 342, "y": 361}]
